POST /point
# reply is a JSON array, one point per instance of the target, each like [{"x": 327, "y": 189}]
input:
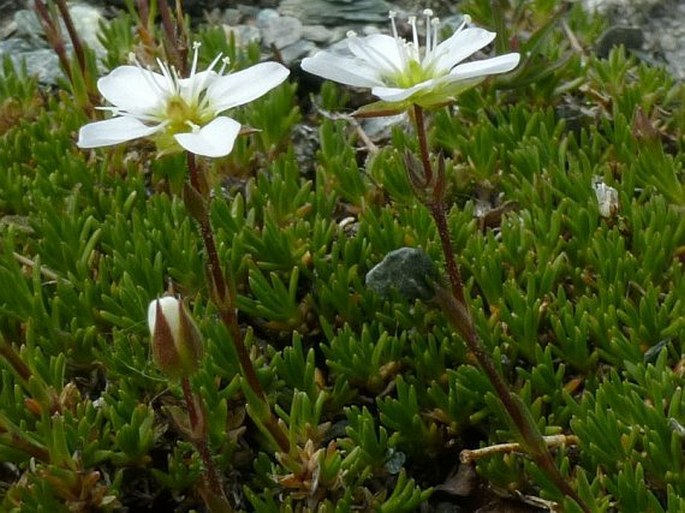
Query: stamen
[
  {"x": 392, "y": 15},
  {"x": 196, "y": 47},
  {"x": 414, "y": 33},
  {"x": 225, "y": 62},
  {"x": 399, "y": 42},
  {"x": 164, "y": 68},
  {"x": 215, "y": 61},
  {"x": 195, "y": 128},
  {"x": 436, "y": 23},
  {"x": 428, "y": 13},
  {"x": 200, "y": 85}
]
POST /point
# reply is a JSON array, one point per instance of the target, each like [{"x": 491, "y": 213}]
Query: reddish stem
[
  {"x": 199, "y": 437},
  {"x": 225, "y": 300},
  {"x": 458, "y": 313}
]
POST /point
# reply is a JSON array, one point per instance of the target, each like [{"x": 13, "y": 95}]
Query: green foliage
[{"x": 582, "y": 313}]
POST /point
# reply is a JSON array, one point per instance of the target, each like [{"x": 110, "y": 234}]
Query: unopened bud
[{"x": 175, "y": 338}]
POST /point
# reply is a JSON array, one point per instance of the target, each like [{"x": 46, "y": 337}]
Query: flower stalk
[
  {"x": 456, "y": 308},
  {"x": 223, "y": 295},
  {"x": 217, "y": 501}
]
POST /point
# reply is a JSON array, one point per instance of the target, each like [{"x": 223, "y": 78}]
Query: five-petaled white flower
[
  {"x": 399, "y": 73},
  {"x": 178, "y": 113}
]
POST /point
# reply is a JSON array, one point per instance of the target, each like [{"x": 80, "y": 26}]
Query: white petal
[
  {"x": 245, "y": 85},
  {"x": 379, "y": 50},
  {"x": 170, "y": 307},
  {"x": 395, "y": 94},
  {"x": 499, "y": 64},
  {"x": 113, "y": 131},
  {"x": 134, "y": 89},
  {"x": 343, "y": 70},
  {"x": 191, "y": 87},
  {"x": 459, "y": 46},
  {"x": 215, "y": 139}
]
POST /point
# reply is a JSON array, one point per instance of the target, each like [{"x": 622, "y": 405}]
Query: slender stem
[
  {"x": 53, "y": 37},
  {"x": 73, "y": 35},
  {"x": 458, "y": 313},
  {"x": 224, "y": 296},
  {"x": 423, "y": 143},
  {"x": 199, "y": 435},
  {"x": 13, "y": 358},
  {"x": 171, "y": 36},
  {"x": 440, "y": 217}
]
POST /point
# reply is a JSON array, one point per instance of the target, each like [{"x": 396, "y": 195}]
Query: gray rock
[
  {"x": 266, "y": 16},
  {"x": 28, "y": 44},
  {"x": 319, "y": 34},
  {"x": 631, "y": 37},
  {"x": 408, "y": 271},
  {"x": 86, "y": 20},
  {"x": 43, "y": 63},
  {"x": 248, "y": 10},
  {"x": 297, "y": 51},
  {"x": 336, "y": 12},
  {"x": 669, "y": 42},
  {"x": 28, "y": 27},
  {"x": 232, "y": 17},
  {"x": 281, "y": 32}
]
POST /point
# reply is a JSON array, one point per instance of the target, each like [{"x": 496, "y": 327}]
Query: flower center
[
  {"x": 415, "y": 67},
  {"x": 180, "y": 114}
]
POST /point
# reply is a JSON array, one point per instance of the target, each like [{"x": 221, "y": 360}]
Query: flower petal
[
  {"x": 134, "y": 89},
  {"x": 113, "y": 131},
  {"x": 344, "y": 70},
  {"x": 395, "y": 94},
  {"x": 245, "y": 85},
  {"x": 378, "y": 50},
  {"x": 459, "y": 46},
  {"x": 499, "y": 64},
  {"x": 215, "y": 139}
]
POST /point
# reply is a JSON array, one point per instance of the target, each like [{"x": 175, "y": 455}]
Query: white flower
[
  {"x": 398, "y": 71},
  {"x": 178, "y": 113}
]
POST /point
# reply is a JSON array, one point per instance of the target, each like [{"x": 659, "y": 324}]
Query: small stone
[
  {"x": 631, "y": 37},
  {"x": 318, "y": 33},
  {"x": 232, "y": 17},
  {"x": 281, "y": 32},
  {"x": 380, "y": 128},
  {"x": 297, "y": 51},
  {"x": 265, "y": 17},
  {"x": 337, "y": 12},
  {"x": 248, "y": 11},
  {"x": 668, "y": 43},
  {"x": 43, "y": 63},
  {"x": 408, "y": 271}
]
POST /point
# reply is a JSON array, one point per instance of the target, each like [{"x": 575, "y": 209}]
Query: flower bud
[{"x": 175, "y": 338}]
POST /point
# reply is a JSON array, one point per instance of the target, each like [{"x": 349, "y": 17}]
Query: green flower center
[
  {"x": 182, "y": 115},
  {"x": 413, "y": 73}
]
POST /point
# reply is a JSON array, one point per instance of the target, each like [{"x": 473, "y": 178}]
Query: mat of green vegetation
[{"x": 583, "y": 313}]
